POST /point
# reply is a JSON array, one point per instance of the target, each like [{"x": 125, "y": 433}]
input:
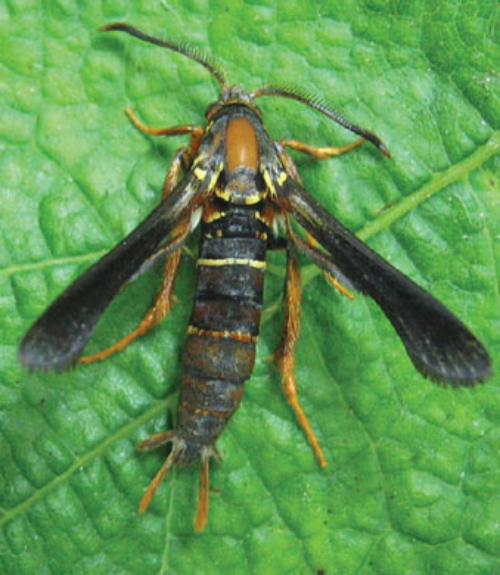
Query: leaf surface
[{"x": 412, "y": 484}]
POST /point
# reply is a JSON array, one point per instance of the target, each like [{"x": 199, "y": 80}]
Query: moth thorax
[{"x": 241, "y": 187}]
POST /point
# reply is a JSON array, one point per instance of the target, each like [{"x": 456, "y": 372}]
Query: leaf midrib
[{"x": 79, "y": 462}]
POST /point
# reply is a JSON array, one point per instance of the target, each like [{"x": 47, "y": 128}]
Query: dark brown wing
[
  {"x": 439, "y": 344},
  {"x": 57, "y": 338}
]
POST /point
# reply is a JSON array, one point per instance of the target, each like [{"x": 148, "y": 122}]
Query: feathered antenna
[
  {"x": 321, "y": 106},
  {"x": 184, "y": 49}
]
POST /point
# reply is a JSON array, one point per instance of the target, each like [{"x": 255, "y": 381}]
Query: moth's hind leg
[
  {"x": 176, "y": 456},
  {"x": 285, "y": 354},
  {"x": 201, "y": 516},
  {"x": 153, "y": 442}
]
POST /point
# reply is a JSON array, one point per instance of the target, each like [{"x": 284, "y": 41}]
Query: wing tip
[
  {"x": 474, "y": 369},
  {"x": 37, "y": 355},
  {"x": 35, "y": 362}
]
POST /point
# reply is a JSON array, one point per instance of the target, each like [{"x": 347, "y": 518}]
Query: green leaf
[{"x": 412, "y": 484}]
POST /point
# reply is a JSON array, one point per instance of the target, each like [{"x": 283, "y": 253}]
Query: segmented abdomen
[{"x": 219, "y": 353}]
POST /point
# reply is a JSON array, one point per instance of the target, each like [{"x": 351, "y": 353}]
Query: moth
[{"x": 238, "y": 183}]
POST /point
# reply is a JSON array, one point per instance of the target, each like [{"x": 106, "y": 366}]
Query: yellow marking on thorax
[
  {"x": 281, "y": 178},
  {"x": 248, "y": 199},
  {"x": 269, "y": 183},
  {"x": 215, "y": 176},
  {"x": 200, "y": 173}
]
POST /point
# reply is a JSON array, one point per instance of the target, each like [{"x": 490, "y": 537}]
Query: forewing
[
  {"x": 439, "y": 344},
  {"x": 58, "y": 337}
]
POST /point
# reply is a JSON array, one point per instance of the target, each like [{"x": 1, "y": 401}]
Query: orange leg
[
  {"x": 292, "y": 171},
  {"x": 195, "y": 131},
  {"x": 165, "y": 297},
  {"x": 159, "y": 439},
  {"x": 172, "y": 131},
  {"x": 153, "y": 442},
  {"x": 323, "y": 153},
  {"x": 201, "y": 517},
  {"x": 157, "y": 313},
  {"x": 306, "y": 249},
  {"x": 285, "y": 354}
]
